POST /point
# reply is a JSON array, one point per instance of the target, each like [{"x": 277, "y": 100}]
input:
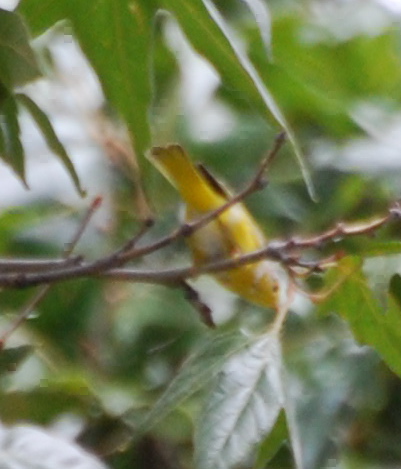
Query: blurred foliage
[{"x": 149, "y": 385}]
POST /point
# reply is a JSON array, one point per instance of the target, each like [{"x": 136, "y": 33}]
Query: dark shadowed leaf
[
  {"x": 13, "y": 150},
  {"x": 10, "y": 358},
  {"x": 17, "y": 60},
  {"x": 50, "y": 137},
  {"x": 271, "y": 444}
]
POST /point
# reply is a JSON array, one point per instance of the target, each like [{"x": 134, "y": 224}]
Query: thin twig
[
  {"x": 40, "y": 295},
  {"x": 36, "y": 265}
]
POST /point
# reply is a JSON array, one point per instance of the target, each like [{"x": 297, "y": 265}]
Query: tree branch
[{"x": 23, "y": 273}]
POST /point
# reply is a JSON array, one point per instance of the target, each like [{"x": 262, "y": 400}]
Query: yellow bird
[{"x": 233, "y": 233}]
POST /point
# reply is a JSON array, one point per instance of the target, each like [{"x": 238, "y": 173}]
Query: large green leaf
[
  {"x": 42, "y": 14},
  {"x": 17, "y": 60},
  {"x": 210, "y": 36},
  {"x": 370, "y": 322},
  {"x": 242, "y": 406},
  {"x": 194, "y": 375},
  {"x": 50, "y": 136},
  {"x": 116, "y": 36}
]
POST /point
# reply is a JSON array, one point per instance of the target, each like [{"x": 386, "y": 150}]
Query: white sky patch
[
  {"x": 8, "y": 4},
  {"x": 392, "y": 5},
  {"x": 209, "y": 119}
]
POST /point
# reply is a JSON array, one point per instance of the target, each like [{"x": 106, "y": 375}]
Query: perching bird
[{"x": 231, "y": 234}]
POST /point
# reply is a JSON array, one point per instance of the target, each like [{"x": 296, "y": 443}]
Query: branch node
[
  {"x": 261, "y": 182},
  {"x": 187, "y": 229},
  {"x": 149, "y": 222}
]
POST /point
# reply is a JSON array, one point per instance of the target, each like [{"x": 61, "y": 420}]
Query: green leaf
[
  {"x": 210, "y": 36},
  {"x": 117, "y": 43},
  {"x": 369, "y": 321},
  {"x": 13, "y": 150},
  {"x": 17, "y": 60},
  {"x": 50, "y": 136},
  {"x": 194, "y": 375},
  {"x": 366, "y": 247},
  {"x": 272, "y": 442},
  {"x": 42, "y": 14},
  {"x": 11, "y": 358},
  {"x": 395, "y": 289},
  {"x": 323, "y": 368},
  {"x": 242, "y": 407}
]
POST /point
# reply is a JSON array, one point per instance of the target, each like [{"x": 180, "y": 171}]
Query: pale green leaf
[
  {"x": 32, "y": 447},
  {"x": 194, "y": 375},
  {"x": 242, "y": 406}
]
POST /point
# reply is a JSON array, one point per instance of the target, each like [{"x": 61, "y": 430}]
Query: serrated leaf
[
  {"x": 210, "y": 36},
  {"x": 195, "y": 374},
  {"x": 13, "y": 150},
  {"x": 17, "y": 60},
  {"x": 10, "y": 358},
  {"x": 52, "y": 141},
  {"x": 32, "y": 447},
  {"x": 242, "y": 407},
  {"x": 370, "y": 322}
]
